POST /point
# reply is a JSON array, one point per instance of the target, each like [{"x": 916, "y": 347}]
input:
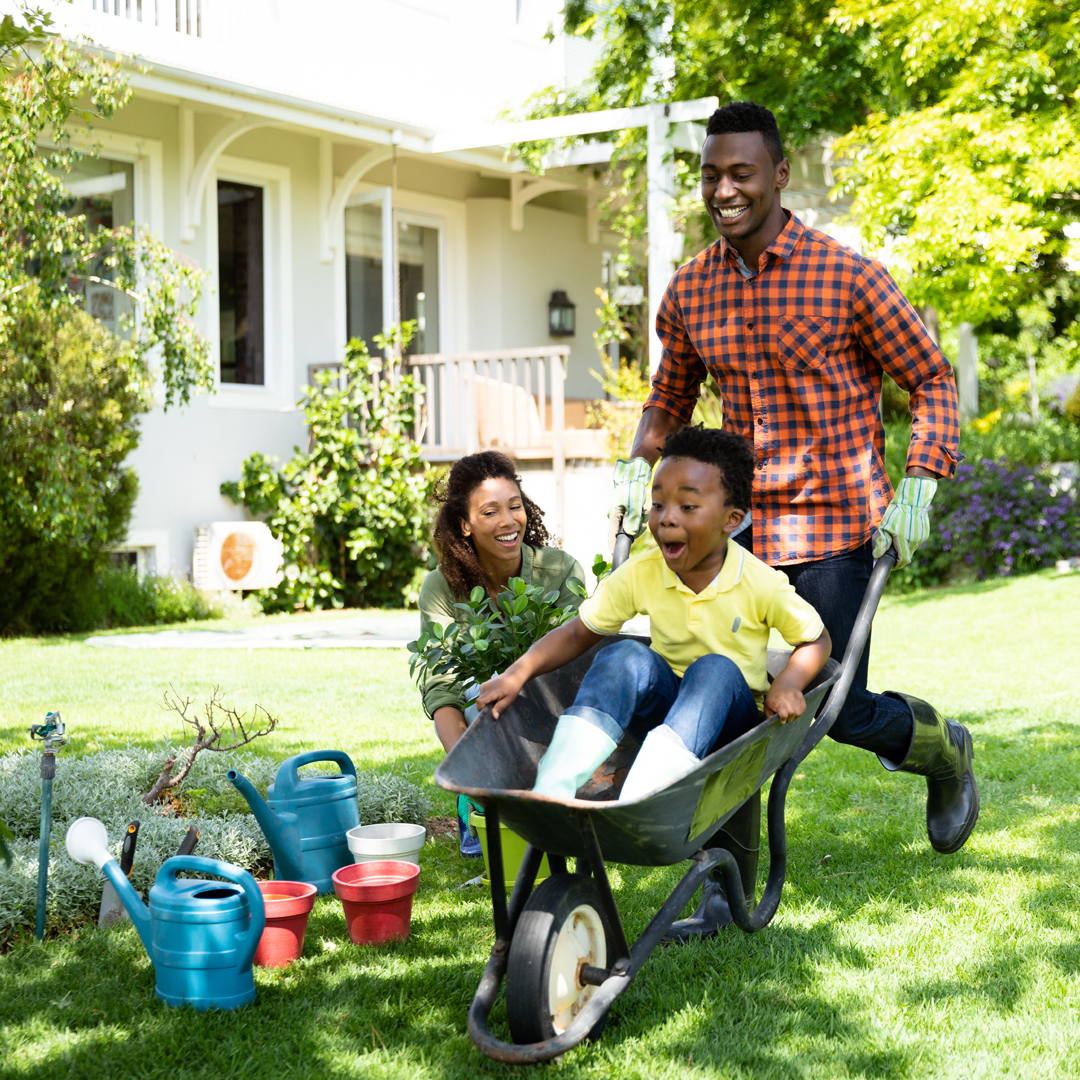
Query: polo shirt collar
[
  {"x": 730, "y": 575},
  {"x": 782, "y": 247}
]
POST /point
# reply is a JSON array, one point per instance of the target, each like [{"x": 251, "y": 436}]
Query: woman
[{"x": 487, "y": 532}]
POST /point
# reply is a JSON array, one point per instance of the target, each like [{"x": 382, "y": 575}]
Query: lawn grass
[{"x": 885, "y": 960}]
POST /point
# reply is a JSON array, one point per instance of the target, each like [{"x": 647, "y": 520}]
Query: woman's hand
[{"x": 501, "y": 691}]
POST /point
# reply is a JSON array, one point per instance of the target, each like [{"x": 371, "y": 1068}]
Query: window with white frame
[
  {"x": 249, "y": 306},
  {"x": 370, "y": 290}
]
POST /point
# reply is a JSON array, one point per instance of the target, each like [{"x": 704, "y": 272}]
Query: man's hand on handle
[{"x": 907, "y": 519}]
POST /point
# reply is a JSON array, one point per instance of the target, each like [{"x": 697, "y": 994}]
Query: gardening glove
[
  {"x": 907, "y": 519},
  {"x": 632, "y": 479}
]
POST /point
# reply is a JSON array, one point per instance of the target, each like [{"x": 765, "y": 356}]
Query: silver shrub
[
  {"x": 107, "y": 785},
  {"x": 384, "y": 797}
]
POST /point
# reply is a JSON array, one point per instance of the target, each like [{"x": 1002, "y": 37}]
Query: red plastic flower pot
[
  {"x": 377, "y": 897},
  {"x": 288, "y": 905}
]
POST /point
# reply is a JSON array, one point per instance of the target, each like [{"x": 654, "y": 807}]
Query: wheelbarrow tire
[{"x": 562, "y": 923}]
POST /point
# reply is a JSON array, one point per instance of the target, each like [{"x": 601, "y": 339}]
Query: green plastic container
[{"x": 513, "y": 849}]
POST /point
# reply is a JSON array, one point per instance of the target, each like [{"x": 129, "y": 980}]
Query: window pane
[
  {"x": 418, "y": 257},
  {"x": 240, "y": 282},
  {"x": 104, "y": 192},
  {"x": 363, "y": 272}
]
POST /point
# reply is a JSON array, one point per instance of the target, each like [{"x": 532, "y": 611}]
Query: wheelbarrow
[{"x": 561, "y": 947}]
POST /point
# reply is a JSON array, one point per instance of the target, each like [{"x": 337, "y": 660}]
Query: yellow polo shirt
[{"x": 732, "y": 616}]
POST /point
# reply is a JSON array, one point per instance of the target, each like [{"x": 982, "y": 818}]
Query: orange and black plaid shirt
[{"x": 797, "y": 351}]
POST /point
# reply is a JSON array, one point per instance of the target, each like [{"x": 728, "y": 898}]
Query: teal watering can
[
  {"x": 305, "y": 819},
  {"x": 201, "y": 935}
]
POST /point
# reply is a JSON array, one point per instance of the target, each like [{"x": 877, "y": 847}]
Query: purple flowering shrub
[{"x": 997, "y": 519}]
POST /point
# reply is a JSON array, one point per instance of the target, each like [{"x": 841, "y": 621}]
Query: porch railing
[
  {"x": 505, "y": 399},
  {"x": 185, "y": 17}
]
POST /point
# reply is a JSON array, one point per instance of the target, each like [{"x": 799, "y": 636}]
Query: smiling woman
[{"x": 487, "y": 531}]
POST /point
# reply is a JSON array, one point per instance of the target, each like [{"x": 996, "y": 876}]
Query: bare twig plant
[{"x": 208, "y": 730}]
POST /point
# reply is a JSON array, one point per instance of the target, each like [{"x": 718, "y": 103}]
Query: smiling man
[{"x": 797, "y": 330}]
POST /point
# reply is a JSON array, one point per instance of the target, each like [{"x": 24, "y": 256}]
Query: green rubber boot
[
  {"x": 941, "y": 751},
  {"x": 576, "y": 749}
]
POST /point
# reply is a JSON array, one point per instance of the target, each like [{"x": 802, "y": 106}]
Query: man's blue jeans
[
  {"x": 835, "y": 586},
  {"x": 629, "y": 684}
]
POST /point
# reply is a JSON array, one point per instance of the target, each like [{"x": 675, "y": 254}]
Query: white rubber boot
[
  {"x": 576, "y": 749},
  {"x": 663, "y": 756}
]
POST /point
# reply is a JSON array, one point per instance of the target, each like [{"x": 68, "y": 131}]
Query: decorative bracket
[
  {"x": 333, "y": 199},
  {"x": 195, "y": 174},
  {"x": 523, "y": 190}
]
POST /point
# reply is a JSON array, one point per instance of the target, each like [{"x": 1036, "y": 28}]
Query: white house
[{"x": 275, "y": 145}]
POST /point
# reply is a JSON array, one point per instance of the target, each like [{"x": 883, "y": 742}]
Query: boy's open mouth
[{"x": 673, "y": 551}]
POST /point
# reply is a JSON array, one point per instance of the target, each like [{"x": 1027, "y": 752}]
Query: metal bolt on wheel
[{"x": 561, "y": 931}]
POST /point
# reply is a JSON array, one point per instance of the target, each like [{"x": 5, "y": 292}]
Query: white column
[
  {"x": 558, "y": 446},
  {"x": 660, "y": 170},
  {"x": 967, "y": 372}
]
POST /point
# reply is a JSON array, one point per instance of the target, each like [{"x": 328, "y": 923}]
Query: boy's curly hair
[
  {"x": 457, "y": 555},
  {"x": 729, "y": 452}
]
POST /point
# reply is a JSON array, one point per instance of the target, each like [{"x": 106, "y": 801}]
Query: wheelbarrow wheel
[{"x": 561, "y": 930}]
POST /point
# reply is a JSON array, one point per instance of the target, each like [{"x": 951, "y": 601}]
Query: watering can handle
[
  {"x": 248, "y": 941},
  {"x": 343, "y": 760}
]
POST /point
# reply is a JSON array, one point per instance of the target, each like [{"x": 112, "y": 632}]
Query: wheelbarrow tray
[{"x": 495, "y": 762}]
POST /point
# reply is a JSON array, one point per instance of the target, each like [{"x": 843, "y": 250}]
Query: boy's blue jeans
[{"x": 628, "y": 684}]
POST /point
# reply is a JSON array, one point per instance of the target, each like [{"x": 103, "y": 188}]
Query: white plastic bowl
[{"x": 396, "y": 841}]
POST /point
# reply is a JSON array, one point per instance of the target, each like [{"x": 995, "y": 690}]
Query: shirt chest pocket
[{"x": 805, "y": 341}]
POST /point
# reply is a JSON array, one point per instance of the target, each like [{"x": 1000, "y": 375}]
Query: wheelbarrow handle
[
  {"x": 622, "y": 549},
  {"x": 852, "y": 654}
]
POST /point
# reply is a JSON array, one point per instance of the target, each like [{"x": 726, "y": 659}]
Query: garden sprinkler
[{"x": 51, "y": 733}]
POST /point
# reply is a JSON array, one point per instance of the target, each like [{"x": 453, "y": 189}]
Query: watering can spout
[
  {"x": 282, "y": 830},
  {"x": 86, "y": 843}
]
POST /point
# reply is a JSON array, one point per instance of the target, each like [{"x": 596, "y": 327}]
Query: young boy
[{"x": 711, "y": 604}]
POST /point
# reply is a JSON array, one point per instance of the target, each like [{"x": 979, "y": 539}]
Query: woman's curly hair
[{"x": 457, "y": 555}]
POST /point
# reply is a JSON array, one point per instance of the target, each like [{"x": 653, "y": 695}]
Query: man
[{"x": 796, "y": 330}]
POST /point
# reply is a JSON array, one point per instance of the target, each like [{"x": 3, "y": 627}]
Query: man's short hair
[
  {"x": 729, "y": 452},
  {"x": 738, "y": 116}
]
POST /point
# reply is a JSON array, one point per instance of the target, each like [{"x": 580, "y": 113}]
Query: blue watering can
[
  {"x": 305, "y": 819},
  {"x": 200, "y": 935}
]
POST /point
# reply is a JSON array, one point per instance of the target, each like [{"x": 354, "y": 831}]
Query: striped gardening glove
[
  {"x": 633, "y": 480},
  {"x": 907, "y": 519}
]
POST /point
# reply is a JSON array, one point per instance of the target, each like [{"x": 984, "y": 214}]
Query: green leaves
[
  {"x": 972, "y": 176},
  {"x": 353, "y": 510},
  {"x": 70, "y": 396},
  {"x": 496, "y": 631},
  {"x": 42, "y": 242}
]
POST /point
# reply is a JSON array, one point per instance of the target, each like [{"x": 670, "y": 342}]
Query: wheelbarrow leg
[
  {"x": 618, "y": 943},
  {"x": 741, "y": 835}
]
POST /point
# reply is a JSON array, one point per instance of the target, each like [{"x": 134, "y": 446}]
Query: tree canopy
[
  {"x": 52, "y": 94},
  {"x": 958, "y": 120}
]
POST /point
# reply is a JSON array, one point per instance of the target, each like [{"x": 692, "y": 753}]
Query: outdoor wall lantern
[{"x": 561, "y": 315}]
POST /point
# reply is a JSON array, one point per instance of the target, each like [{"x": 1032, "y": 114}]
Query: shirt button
[
  {"x": 760, "y": 420},
  {"x": 753, "y": 374},
  {"x": 749, "y": 326}
]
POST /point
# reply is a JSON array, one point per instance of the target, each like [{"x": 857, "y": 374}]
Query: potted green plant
[{"x": 496, "y": 631}]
